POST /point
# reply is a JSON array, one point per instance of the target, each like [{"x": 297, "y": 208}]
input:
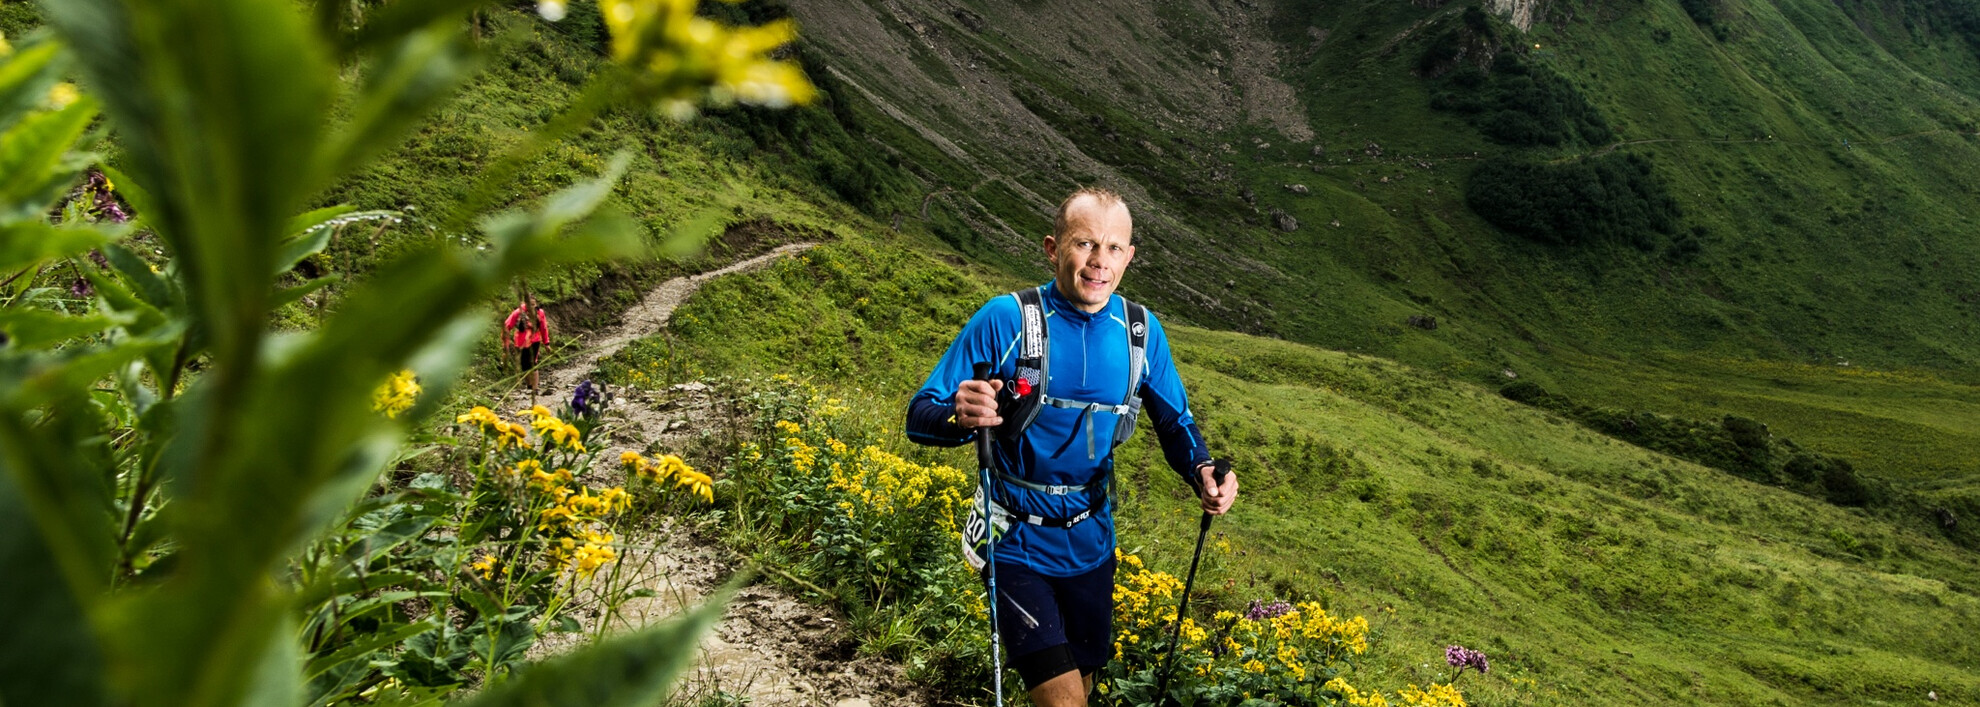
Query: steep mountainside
[
  {"x": 1811, "y": 156},
  {"x": 1561, "y": 191}
]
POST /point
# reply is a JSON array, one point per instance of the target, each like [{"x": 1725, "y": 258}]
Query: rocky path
[
  {"x": 642, "y": 320},
  {"x": 771, "y": 649}
]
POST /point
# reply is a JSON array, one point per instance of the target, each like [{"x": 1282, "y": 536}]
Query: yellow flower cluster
[
  {"x": 553, "y": 483},
  {"x": 668, "y": 466},
  {"x": 829, "y": 407},
  {"x": 803, "y": 456},
  {"x": 1280, "y": 645},
  {"x": 885, "y": 484},
  {"x": 1144, "y": 598},
  {"x": 595, "y": 552},
  {"x": 506, "y": 434},
  {"x": 674, "y": 52},
  {"x": 63, "y": 95},
  {"x": 1434, "y": 696},
  {"x": 486, "y": 567},
  {"x": 552, "y": 429},
  {"x": 396, "y": 395},
  {"x": 1353, "y": 697},
  {"x": 573, "y": 507},
  {"x": 788, "y": 428}
]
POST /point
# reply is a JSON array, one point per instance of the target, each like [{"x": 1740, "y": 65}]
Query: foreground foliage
[{"x": 163, "y": 454}]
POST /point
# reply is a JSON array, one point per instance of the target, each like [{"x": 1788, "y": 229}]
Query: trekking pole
[
  {"x": 983, "y": 458},
  {"x": 1219, "y": 469}
]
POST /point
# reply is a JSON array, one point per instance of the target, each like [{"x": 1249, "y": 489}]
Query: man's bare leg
[{"x": 1066, "y": 690}]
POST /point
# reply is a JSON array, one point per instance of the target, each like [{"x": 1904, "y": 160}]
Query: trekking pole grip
[
  {"x": 1219, "y": 468},
  {"x": 984, "y": 371}
]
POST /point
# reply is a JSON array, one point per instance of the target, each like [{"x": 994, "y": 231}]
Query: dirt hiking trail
[{"x": 770, "y": 649}]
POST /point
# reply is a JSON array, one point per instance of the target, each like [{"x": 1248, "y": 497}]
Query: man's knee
[{"x": 1041, "y": 666}]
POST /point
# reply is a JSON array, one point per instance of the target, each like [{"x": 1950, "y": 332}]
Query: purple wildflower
[
  {"x": 1259, "y": 610},
  {"x": 107, "y": 207},
  {"x": 96, "y": 256},
  {"x": 585, "y": 401},
  {"x": 1461, "y": 657},
  {"x": 80, "y": 289},
  {"x": 105, "y": 199}
]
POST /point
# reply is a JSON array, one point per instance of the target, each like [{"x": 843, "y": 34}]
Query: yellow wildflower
[
  {"x": 1353, "y": 697},
  {"x": 561, "y": 552},
  {"x": 803, "y": 456},
  {"x": 481, "y": 417},
  {"x": 549, "y": 483},
  {"x": 63, "y": 95},
  {"x": 396, "y": 395},
  {"x": 565, "y": 434},
  {"x": 1434, "y": 696},
  {"x": 788, "y": 428},
  {"x": 1191, "y": 633},
  {"x": 671, "y": 466},
  {"x": 696, "y": 483},
  {"x": 1254, "y": 666},
  {"x": 522, "y": 469},
  {"x": 596, "y": 552},
  {"x": 485, "y": 566},
  {"x": 615, "y": 500},
  {"x": 509, "y": 434},
  {"x": 555, "y": 517}
]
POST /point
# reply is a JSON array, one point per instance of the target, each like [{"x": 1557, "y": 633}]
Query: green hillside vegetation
[
  {"x": 1382, "y": 468},
  {"x": 1756, "y": 594},
  {"x": 1619, "y": 184},
  {"x": 1593, "y": 571}
]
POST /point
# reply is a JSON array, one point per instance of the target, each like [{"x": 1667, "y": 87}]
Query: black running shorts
[
  {"x": 1054, "y": 625},
  {"x": 531, "y": 354}
]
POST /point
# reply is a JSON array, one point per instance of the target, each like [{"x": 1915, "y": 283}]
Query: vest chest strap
[
  {"x": 1121, "y": 409},
  {"x": 1048, "y": 489}
]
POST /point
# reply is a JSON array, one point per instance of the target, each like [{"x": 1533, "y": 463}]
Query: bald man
[{"x": 1075, "y": 375}]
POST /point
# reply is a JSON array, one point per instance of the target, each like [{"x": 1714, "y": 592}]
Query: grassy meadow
[
  {"x": 1383, "y": 474},
  {"x": 1591, "y": 570}
]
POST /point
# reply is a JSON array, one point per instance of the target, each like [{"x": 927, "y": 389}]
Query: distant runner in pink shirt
[{"x": 527, "y": 330}]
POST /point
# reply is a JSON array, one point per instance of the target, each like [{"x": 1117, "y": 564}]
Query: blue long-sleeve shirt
[{"x": 1089, "y": 363}]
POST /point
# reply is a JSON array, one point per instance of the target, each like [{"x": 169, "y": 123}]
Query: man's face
[{"x": 1089, "y": 259}]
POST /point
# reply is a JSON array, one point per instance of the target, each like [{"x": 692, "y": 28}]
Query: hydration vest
[{"x": 1027, "y": 392}]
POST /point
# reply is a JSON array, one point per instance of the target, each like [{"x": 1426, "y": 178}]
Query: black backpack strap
[
  {"x": 1137, "y": 331},
  {"x": 1033, "y": 365}
]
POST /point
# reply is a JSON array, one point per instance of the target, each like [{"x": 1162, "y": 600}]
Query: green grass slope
[
  {"x": 1594, "y": 572},
  {"x": 1781, "y": 242}
]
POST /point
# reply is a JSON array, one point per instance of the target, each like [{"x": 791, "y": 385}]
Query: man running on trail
[
  {"x": 1068, "y": 405},
  {"x": 527, "y": 330}
]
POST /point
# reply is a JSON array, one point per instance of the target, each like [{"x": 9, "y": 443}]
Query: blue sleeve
[
  {"x": 1167, "y": 406},
  {"x": 990, "y": 336}
]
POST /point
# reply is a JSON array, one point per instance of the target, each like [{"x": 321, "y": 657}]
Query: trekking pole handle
[
  {"x": 984, "y": 371},
  {"x": 1219, "y": 468}
]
